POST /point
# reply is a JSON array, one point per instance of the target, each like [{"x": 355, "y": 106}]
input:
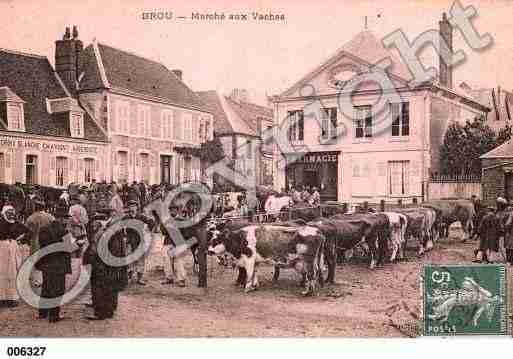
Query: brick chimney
[
  {"x": 67, "y": 59},
  {"x": 445, "y": 71},
  {"x": 178, "y": 73}
]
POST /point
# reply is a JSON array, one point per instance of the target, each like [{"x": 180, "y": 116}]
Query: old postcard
[{"x": 255, "y": 169}]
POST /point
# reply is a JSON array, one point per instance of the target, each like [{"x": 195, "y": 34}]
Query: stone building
[
  {"x": 353, "y": 146},
  {"x": 46, "y": 136},
  {"x": 239, "y": 125},
  {"x": 497, "y": 173},
  {"x": 103, "y": 114}
]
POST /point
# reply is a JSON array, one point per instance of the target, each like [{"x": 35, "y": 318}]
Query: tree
[{"x": 463, "y": 145}]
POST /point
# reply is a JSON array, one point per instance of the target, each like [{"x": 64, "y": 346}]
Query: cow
[
  {"x": 298, "y": 247},
  {"x": 450, "y": 211},
  {"x": 348, "y": 231},
  {"x": 420, "y": 225},
  {"x": 398, "y": 224}
]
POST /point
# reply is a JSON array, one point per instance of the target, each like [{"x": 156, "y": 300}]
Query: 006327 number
[{"x": 25, "y": 351}]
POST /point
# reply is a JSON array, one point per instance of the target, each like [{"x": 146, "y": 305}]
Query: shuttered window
[
  {"x": 89, "y": 169},
  {"x": 329, "y": 123},
  {"x": 123, "y": 117},
  {"x": 122, "y": 165},
  {"x": 400, "y": 113},
  {"x": 61, "y": 171},
  {"x": 363, "y": 121},
  {"x": 398, "y": 177},
  {"x": 296, "y": 126},
  {"x": 2, "y": 168}
]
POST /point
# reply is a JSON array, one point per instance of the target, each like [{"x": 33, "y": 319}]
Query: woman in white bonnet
[{"x": 11, "y": 231}]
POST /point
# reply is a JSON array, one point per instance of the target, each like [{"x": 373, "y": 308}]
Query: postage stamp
[{"x": 464, "y": 300}]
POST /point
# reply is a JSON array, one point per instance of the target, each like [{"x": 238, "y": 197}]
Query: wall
[
  {"x": 372, "y": 154},
  {"x": 493, "y": 178},
  {"x": 437, "y": 190},
  {"x": 16, "y": 147},
  {"x": 153, "y": 144}
]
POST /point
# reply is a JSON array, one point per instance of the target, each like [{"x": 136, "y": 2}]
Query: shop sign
[{"x": 46, "y": 146}]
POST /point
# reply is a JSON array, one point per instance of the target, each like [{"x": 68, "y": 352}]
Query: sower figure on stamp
[
  {"x": 54, "y": 268},
  {"x": 106, "y": 280},
  {"x": 134, "y": 239}
]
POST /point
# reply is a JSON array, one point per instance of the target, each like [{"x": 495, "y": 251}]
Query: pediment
[{"x": 331, "y": 78}]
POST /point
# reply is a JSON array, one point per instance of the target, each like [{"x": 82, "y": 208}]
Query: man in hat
[
  {"x": 116, "y": 204},
  {"x": 54, "y": 267},
  {"x": 36, "y": 222},
  {"x": 489, "y": 233},
  {"x": 11, "y": 231},
  {"x": 134, "y": 239},
  {"x": 78, "y": 222},
  {"x": 174, "y": 265}
]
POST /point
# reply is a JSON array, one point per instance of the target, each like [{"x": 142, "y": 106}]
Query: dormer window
[
  {"x": 11, "y": 110},
  {"x": 15, "y": 117},
  {"x": 77, "y": 125}
]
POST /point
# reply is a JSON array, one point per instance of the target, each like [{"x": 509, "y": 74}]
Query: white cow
[{"x": 398, "y": 224}]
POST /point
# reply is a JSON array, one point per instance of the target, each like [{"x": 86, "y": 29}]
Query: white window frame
[
  {"x": 404, "y": 168},
  {"x": 362, "y": 113},
  {"x": 187, "y": 120},
  {"x": 76, "y": 124},
  {"x": 123, "y": 117},
  {"x": 143, "y": 121},
  {"x": 3, "y": 167},
  {"x": 93, "y": 170},
  {"x": 166, "y": 120},
  {"x": 397, "y": 109},
  {"x": 17, "y": 107},
  {"x": 65, "y": 170}
]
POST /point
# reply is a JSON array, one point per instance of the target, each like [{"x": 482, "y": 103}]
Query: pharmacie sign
[{"x": 321, "y": 157}]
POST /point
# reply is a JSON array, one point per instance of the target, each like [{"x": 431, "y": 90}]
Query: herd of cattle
[{"x": 310, "y": 246}]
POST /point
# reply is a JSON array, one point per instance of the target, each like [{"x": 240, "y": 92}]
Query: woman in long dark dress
[
  {"x": 106, "y": 281},
  {"x": 11, "y": 232}
]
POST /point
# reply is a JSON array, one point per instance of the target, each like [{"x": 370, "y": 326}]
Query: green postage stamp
[{"x": 464, "y": 300}]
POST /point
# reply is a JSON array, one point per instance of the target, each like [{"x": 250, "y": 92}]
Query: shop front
[
  {"x": 315, "y": 169},
  {"x": 50, "y": 161}
]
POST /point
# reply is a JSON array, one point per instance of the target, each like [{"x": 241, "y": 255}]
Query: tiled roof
[
  {"x": 503, "y": 151},
  {"x": 137, "y": 74},
  {"x": 364, "y": 46},
  {"x": 233, "y": 116},
  {"x": 33, "y": 79},
  {"x": 250, "y": 112},
  {"x": 500, "y": 102},
  {"x": 6, "y": 94},
  {"x": 213, "y": 104}
]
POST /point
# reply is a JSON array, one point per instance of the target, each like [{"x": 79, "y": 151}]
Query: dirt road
[{"x": 363, "y": 303}]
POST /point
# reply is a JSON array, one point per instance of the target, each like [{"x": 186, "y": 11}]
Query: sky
[{"x": 265, "y": 57}]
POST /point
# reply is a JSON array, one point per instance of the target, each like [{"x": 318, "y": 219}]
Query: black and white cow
[{"x": 298, "y": 247}]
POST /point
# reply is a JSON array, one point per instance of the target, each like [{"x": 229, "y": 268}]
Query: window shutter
[
  {"x": 7, "y": 160},
  {"x": 333, "y": 122}
]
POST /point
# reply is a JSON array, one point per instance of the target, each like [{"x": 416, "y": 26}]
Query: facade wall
[
  {"x": 73, "y": 159},
  {"x": 144, "y": 142},
  {"x": 363, "y": 165},
  {"x": 494, "y": 178}
]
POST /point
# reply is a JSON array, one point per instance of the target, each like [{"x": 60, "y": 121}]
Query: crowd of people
[{"x": 81, "y": 215}]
